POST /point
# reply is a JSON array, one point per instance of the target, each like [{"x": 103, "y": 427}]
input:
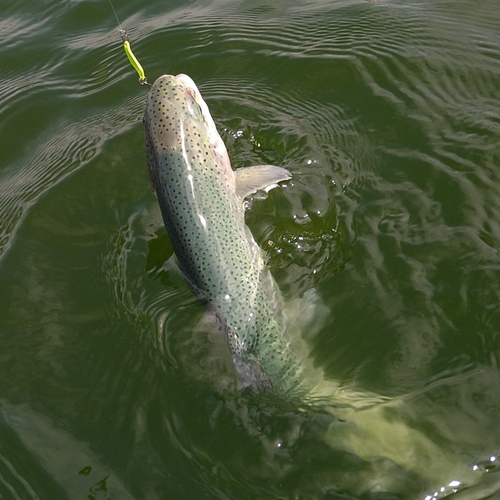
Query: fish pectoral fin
[{"x": 249, "y": 180}]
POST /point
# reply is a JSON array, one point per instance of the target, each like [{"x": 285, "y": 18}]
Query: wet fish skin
[{"x": 201, "y": 201}]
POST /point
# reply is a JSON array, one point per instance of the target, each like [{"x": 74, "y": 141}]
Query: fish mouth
[
  {"x": 181, "y": 83},
  {"x": 188, "y": 82}
]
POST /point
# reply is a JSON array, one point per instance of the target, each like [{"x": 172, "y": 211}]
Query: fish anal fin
[{"x": 249, "y": 180}]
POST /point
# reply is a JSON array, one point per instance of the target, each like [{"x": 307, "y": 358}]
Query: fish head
[{"x": 176, "y": 113}]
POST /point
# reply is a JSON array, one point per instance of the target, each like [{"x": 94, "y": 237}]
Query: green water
[{"x": 388, "y": 116}]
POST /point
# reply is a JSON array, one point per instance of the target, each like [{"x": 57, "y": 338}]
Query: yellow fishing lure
[
  {"x": 128, "y": 50},
  {"x": 132, "y": 59}
]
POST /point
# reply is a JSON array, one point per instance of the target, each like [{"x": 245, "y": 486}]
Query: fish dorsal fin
[{"x": 249, "y": 180}]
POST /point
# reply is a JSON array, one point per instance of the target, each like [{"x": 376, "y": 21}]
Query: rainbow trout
[{"x": 201, "y": 201}]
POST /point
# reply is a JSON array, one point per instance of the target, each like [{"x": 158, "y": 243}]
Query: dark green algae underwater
[{"x": 113, "y": 386}]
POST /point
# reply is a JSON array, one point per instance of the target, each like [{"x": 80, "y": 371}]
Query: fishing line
[{"x": 128, "y": 50}]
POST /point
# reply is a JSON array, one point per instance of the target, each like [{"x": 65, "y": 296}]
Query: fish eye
[{"x": 195, "y": 109}]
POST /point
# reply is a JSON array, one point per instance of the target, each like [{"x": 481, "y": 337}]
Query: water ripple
[
  {"x": 387, "y": 115},
  {"x": 54, "y": 156}
]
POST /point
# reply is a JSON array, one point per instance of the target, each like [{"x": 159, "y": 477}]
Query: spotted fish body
[{"x": 201, "y": 200}]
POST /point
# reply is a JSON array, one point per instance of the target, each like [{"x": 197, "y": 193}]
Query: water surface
[{"x": 388, "y": 116}]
